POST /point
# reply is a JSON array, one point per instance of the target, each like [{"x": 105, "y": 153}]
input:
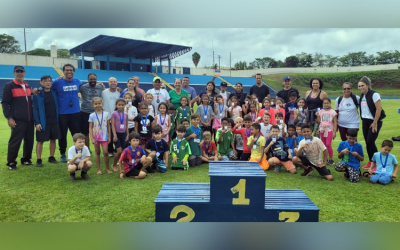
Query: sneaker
[
  {"x": 374, "y": 169},
  {"x": 72, "y": 177},
  {"x": 53, "y": 160},
  {"x": 85, "y": 176},
  {"x": 110, "y": 155},
  {"x": 150, "y": 170},
  {"x": 12, "y": 166},
  {"x": 26, "y": 162},
  {"x": 63, "y": 159},
  {"x": 367, "y": 166},
  {"x": 307, "y": 171},
  {"x": 330, "y": 162},
  {"x": 39, "y": 163}
]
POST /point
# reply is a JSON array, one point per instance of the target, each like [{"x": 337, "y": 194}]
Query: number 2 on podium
[{"x": 241, "y": 189}]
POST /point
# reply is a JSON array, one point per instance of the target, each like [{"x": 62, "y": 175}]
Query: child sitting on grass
[
  {"x": 79, "y": 158},
  {"x": 160, "y": 148},
  {"x": 209, "y": 149},
  {"x": 386, "y": 165},
  {"x": 180, "y": 148}
]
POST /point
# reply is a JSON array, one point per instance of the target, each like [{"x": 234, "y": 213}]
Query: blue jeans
[{"x": 382, "y": 178}]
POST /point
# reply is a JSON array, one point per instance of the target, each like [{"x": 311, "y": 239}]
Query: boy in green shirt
[
  {"x": 180, "y": 150},
  {"x": 225, "y": 140},
  {"x": 194, "y": 135}
]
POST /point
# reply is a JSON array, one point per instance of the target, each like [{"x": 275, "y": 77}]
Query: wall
[
  {"x": 42, "y": 61},
  {"x": 179, "y": 70},
  {"x": 119, "y": 59}
]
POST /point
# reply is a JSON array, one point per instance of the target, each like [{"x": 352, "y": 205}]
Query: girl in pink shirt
[{"x": 327, "y": 119}]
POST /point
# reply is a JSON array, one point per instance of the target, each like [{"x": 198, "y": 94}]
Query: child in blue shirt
[
  {"x": 351, "y": 153},
  {"x": 386, "y": 165}
]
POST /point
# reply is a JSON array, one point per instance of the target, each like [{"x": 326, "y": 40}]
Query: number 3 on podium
[{"x": 241, "y": 188}]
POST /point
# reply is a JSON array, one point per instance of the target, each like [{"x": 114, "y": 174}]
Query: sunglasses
[
  {"x": 346, "y": 88},
  {"x": 69, "y": 70},
  {"x": 19, "y": 71}
]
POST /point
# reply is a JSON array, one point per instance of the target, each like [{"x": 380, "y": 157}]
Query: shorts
[
  {"x": 143, "y": 141},
  {"x": 382, "y": 178},
  {"x": 245, "y": 156},
  {"x": 134, "y": 171},
  {"x": 101, "y": 143},
  {"x": 85, "y": 123},
  {"x": 120, "y": 143},
  {"x": 228, "y": 156},
  {"x": 287, "y": 164},
  {"x": 263, "y": 164},
  {"x": 322, "y": 171},
  {"x": 52, "y": 132},
  {"x": 216, "y": 124},
  {"x": 239, "y": 153},
  {"x": 195, "y": 160}
]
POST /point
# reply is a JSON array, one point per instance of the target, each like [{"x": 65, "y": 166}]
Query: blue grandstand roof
[{"x": 124, "y": 47}]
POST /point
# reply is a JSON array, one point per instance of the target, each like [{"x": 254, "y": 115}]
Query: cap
[
  {"x": 286, "y": 78},
  {"x": 224, "y": 84},
  {"x": 156, "y": 78},
  {"x": 18, "y": 67}
]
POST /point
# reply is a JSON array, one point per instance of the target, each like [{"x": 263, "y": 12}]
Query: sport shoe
[
  {"x": 53, "y": 160},
  {"x": 367, "y": 166},
  {"x": 307, "y": 171},
  {"x": 63, "y": 159},
  {"x": 110, "y": 155},
  {"x": 26, "y": 162},
  {"x": 39, "y": 163},
  {"x": 330, "y": 162},
  {"x": 72, "y": 177},
  {"x": 85, "y": 176},
  {"x": 12, "y": 166},
  {"x": 150, "y": 170}
]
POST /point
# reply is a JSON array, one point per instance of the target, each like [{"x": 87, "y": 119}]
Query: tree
[
  {"x": 196, "y": 58},
  {"x": 318, "y": 59},
  {"x": 240, "y": 65},
  {"x": 331, "y": 61},
  {"x": 291, "y": 61},
  {"x": 63, "y": 53},
  {"x": 305, "y": 60},
  {"x": 38, "y": 52},
  {"x": 8, "y": 44}
]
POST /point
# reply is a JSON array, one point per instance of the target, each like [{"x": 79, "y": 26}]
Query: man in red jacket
[{"x": 17, "y": 108}]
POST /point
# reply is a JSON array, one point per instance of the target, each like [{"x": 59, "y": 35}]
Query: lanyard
[
  {"x": 144, "y": 122},
  {"x": 82, "y": 151},
  {"x": 162, "y": 121},
  {"x": 248, "y": 133},
  {"x": 155, "y": 143},
  {"x": 177, "y": 142},
  {"x": 121, "y": 119},
  {"x": 205, "y": 110},
  {"x": 219, "y": 107},
  {"x": 184, "y": 111},
  {"x": 100, "y": 123},
  {"x": 133, "y": 154},
  {"x": 266, "y": 110},
  {"x": 384, "y": 165},
  {"x": 253, "y": 118},
  {"x": 292, "y": 105},
  {"x": 196, "y": 132},
  {"x": 255, "y": 143},
  {"x": 350, "y": 147},
  {"x": 206, "y": 148}
]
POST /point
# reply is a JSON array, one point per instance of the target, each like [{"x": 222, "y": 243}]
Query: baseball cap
[
  {"x": 224, "y": 84},
  {"x": 156, "y": 78},
  {"x": 286, "y": 78},
  {"x": 18, "y": 67}
]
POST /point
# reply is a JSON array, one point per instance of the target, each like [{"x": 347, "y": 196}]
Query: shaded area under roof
[{"x": 123, "y": 47}]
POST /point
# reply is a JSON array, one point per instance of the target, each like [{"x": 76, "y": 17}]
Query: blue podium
[{"x": 236, "y": 193}]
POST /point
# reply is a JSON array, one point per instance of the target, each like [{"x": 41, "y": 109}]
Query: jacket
[
  {"x": 39, "y": 113},
  {"x": 17, "y": 102}
]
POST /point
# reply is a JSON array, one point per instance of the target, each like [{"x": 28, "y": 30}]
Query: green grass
[{"x": 45, "y": 194}]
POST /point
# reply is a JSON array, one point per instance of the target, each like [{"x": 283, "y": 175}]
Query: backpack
[{"x": 352, "y": 97}]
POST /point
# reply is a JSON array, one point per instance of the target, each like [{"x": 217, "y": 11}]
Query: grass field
[{"x": 45, "y": 194}]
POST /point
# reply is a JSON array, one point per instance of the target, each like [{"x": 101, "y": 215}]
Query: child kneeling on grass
[
  {"x": 351, "y": 153},
  {"x": 209, "y": 149},
  {"x": 312, "y": 147},
  {"x": 79, "y": 158},
  {"x": 180, "y": 149},
  {"x": 256, "y": 143},
  {"x": 134, "y": 159},
  {"x": 386, "y": 165},
  {"x": 160, "y": 148}
]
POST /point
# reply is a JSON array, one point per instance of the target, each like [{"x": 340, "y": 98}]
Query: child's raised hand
[
  {"x": 345, "y": 151},
  {"x": 194, "y": 135},
  {"x": 296, "y": 111},
  {"x": 79, "y": 155},
  {"x": 175, "y": 160},
  {"x": 354, "y": 154},
  {"x": 271, "y": 143},
  {"x": 294, "y": 137}
]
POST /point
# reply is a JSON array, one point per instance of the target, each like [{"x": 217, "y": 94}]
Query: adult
[
  {"x": 191, "y": 91},
  {"x": 88, "y": 91},
  {"x": 210, "y": 91},
  {"x": 109, "y": 97},
  {"x": 177, "y": 93},
  {"x": 239, "y": 93},
  {"x": 17, "y": 108},
  {"x": 346, "y": 107},
  {"x": 141, "y": 91},
  {"x": 287, "y": 88},
  {"x": 260, "y": 89},
  {"x": 314, "y": 98},
  {"x": 132, "y": 88},
  {"x": 69, "y": 111},
  {"x": 371, "y": 115},
  {"x": 159, "y": 95}
]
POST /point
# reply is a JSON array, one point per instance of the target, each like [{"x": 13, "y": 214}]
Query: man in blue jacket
[{"x": 45, "y": 114}]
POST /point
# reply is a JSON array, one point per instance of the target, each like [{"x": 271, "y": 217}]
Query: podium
[{"x": 236, "y": 193}]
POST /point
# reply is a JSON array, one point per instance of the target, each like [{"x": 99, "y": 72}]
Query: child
[
  {"x": 78, "y": 158},
  {"x": 159, "y": 147},
  {"x": 327, "y": 128},
  {"x": 281, "y": 124},
  {"x": 272, "y": 102},
  {"x": 185, "y": 122},
  {"x": 245, "y": 133},
  {"x": 206, "y": 114},
  {"x": 180, "y": 148},
  {"x": 220, "y": 110},
  {"x": 253, "y": 112},
  {"x": 384, "y": 162},
  {"x": 45, "y": 115},
  {"x": 172, "y": 114},
  {"x": 256, "y": 143},
  {"x": 235, "y": 111},
  {"x": 291, "y": 139},
  {"x": 238, "y": 138},
  {"x": 279, "y": 149},
  {"x": 184, "y": 111},
  {"x": 100, "y": 132},
  {"x": 148, "y": 98},
  {"x": 131, "y": 111},
  {"x": 300, "y": 114},
  {"x": 119, "y": 126},
  {"x": 299, "y": 136},
  {"x": 312, "y": 147},
  {"x": 280, "y": 106},
  {"x": 246, "y": 105},
  {"x": 226, "y": 147},
  {"x": 290, "y": 107},
  {"x": 194, "y": 135},
  {"x": 351, "y": 153},
  {"x": 209, "y": 149},
  {"x": 163, "y": 120},
  {"x": 143, "y": 124},
  {"x": 267, "y": 109},
  {"x": 256, "y": 101},
  {"x": 134, "y": 159},
  {"x": 265, "y": 125}
]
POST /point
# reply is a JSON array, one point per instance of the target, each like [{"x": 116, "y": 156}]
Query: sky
[{"x": 243, "y": 44}]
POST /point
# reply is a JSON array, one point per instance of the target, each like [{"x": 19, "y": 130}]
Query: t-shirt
[
  {"x": 224, "y": 147},
  {"x": 225, "y": 96},
  {"x": 381, "y": 159},
  {"x": 289, "y": 110},
  {"x": 151, "y": 110},
  {"x": 209, "y": 148},
  {"x": 182, "y": 150},
  {"x": 132, "y": 113},
  {"x": 49, "y": 107},
  {"x": 183, "y": 114},
  {"x": 290, "y": 141},
  {"x": 278, "y": 149},
  {"x": 258, "y": 151},
  {"x": 356, "y": 147},
  {"x": 194, "y": 143},
  {"x": 87, "y": 93},
  {"x": 239, "y": 142},
  {"x": 120, "y": 119},
  {"x": 109, "y": 99},
  {"x": 67, "y": 92},
  {"x": 191, "y": 92},
  {"x": 131, "y": 157},
  {"x": 284, "y": 94},
  {"x": 236, "y": 111},
  {"x": 245, "y": 134},
  {"x": 158, "y": 147},
  {"x": 302, "y": 117},
  {"x": 366, "y": 113},
  {"x": 280, "y": 129},
  {"x": 175, "y": 98},
  {"x": 142, "y": 121},
  {"x": 265, "y": 129},
  {"x": 313, "y": 150},
  {"x": 220, "y": 111},
  {"x": 348, "y": 113},
  {"x": 326, "y": 117},
  {"x": 203, "y": 111},
  {"x": 299, "y": 138},
  {"x": 72, "y": 152},
  {"x": 271, "y": 112},
  {"x": 100, "y": 133},
  {"x": 261, "y": 92},
  {"x": 159, "y": 96}
]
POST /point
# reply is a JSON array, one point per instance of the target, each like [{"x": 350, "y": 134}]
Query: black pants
[
  {"x": 71, "y": 122},
  {"x": 24, "y": 130},
  {"x": 370, "y": 137},
  {"x": 111, "y": 144}
]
